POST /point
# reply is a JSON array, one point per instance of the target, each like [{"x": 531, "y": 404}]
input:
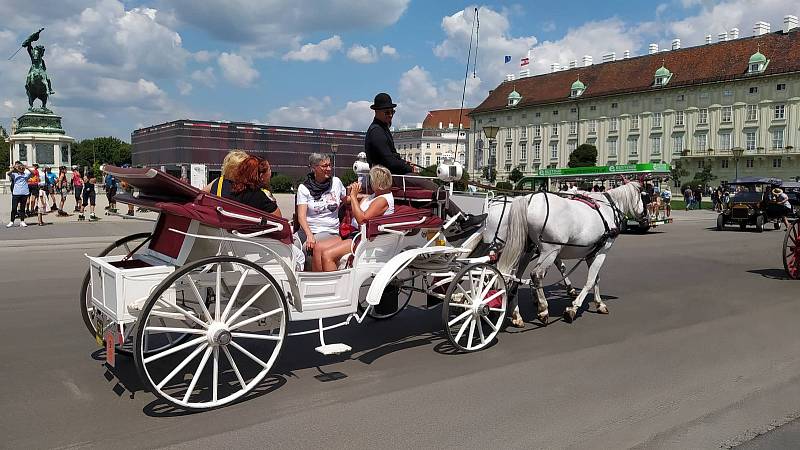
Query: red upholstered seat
[
  {"x": 417, "y": 194},
  {"x": 409, "y": 216},
  {"x": 165, "y": 193}
]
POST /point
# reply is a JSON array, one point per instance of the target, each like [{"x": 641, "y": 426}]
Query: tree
[
  {"x": 583, "y": 156},
  {"x": 489, "y": 173},
  {"x": 348, "y": 177},
  {"x": 101, "y": 150},
  {"x": 4, "y": 162},
  {"x": 280, "y": 183},
  {"x": 704, "y": 176},
  {"x": 516, "y": 175},
  {"x": 678, "y": 171}
]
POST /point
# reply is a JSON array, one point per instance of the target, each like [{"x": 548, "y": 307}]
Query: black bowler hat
[{"x": 382, "y": 101}]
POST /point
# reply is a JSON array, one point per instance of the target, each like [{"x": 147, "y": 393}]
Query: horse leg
[
  {"x": 598, "y": 300},
  {"x": 567, "y": 283},
  {"x": 594, "y": 269},
  {"x": 545, "y": 260}
]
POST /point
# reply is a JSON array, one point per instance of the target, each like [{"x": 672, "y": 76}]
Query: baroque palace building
[
  {"x": 693, "y": 106},
  {"x": 440, "y": 133}
]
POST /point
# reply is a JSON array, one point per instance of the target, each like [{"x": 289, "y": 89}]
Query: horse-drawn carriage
[{"x": 203, "y": 302}]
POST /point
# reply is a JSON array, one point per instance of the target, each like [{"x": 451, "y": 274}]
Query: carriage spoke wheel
[
  {"x": 475, "y": 307},
  {"x": 235, "y": 316},
  {"x": 791, "y": 251},
  {"x": 123, "y": 246}
]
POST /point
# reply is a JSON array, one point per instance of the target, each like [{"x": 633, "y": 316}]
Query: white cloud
[
  {"x": 280, "y": 24},
  {"x": 184, "y": 88},
  {"x": 315, "y": 52},
  {"x": 362, "y": 54},
  {"x": 321, "y": 113},
  {"x": 419, "y": 93},
  {"x": 205, "y": 76},
  {"x": 388, "y": 50},
  {"x": 203, "y": 56},
  {"x": 237, "y": 69}
]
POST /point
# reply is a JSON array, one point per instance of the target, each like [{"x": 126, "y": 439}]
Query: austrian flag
[{"x": 524, "y": 62}]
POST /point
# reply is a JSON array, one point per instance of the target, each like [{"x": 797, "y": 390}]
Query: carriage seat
[
  {"x": 417, "y": 195},
  {"x": 404, "y": 218}
]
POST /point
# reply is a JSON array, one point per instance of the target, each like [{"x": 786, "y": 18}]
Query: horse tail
[{"x": 516, "y": 236}]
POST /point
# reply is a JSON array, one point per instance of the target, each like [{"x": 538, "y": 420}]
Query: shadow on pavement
[{"x": 773, "y": 274}]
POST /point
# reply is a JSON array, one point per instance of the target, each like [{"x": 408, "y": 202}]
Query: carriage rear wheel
[
  {"x": 475, "y": 306},
  {"x": 791, "y": 251},
  {"x": 123, "y": 246},
  {"x": 235, "y": 315}
]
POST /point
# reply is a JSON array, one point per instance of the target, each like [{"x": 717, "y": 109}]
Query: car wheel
[
  {"x": 759, "y": 224},
  {"x": 720, "y": 222}
]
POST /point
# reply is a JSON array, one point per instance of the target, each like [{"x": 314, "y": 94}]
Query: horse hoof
[
  {"x": 602, "y": 309},
  {"x": 518, "y": 323},
  {"x": 572, "y": 292},
  {"x": 544, "y": 318},
  {"x": 569, "y": 315}
]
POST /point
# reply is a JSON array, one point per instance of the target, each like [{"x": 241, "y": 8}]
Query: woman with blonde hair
[
  {"x": 221, "y": 187},
  {"x": 379, "y": 203}
]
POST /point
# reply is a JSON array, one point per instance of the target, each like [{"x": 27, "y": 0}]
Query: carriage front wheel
[
  {"x": 791, "y": 252},
  {"x": 236, "y": 316},
  {"x": 475, "y": 307}
]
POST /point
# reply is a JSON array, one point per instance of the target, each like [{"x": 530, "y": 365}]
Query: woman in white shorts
[{"x": 318, "y": 201}]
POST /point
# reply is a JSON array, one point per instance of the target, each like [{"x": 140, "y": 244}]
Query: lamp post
[
  {"x": 334, "y": 147},
  {"x": 491, "y": 132},
  {"x": 737, "y": 153}
]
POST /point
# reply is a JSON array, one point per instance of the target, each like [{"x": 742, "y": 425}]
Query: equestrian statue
[{"x": 37, "y": 83}]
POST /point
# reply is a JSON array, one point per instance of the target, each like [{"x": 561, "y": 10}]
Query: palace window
[
  {"x": 655, "y": 145},
  {"x": 749, "y": 163},
  {"x": 554, "y": 130},
  {"x": 614, "y": 105},
  {"x": 427, "y": 160},
  {"x": 679, "y": 118},
  {"x": 701, "y": 142},
  {"x": 702, "y": 118},
  {"x": 633, "y": 146},
  {"x": 657, "y": 120},
  {"x": 537, "y": 131},
  {"x": 723, "y": 164},
  {"x": 750, "y": 140},
  {"x": 573, "y": 128},
  {"x": 753, "y": 90},
  {"x": 612, "y": 124},
  {"x": 727, "y": 113},
  {"x": 612, "y": 147},
  {"x": 752, "y": 113},
  {"x": 677, "y": 145},
  {"x": 779, "y": 112},
  {"x": 635, "y": 122},
  {"x": 724, "y": 141},
  {"x": 777, "y": 138},
  {"x": 776, "y": 163},
  {"x": 508, "y": 152},
  {"x": 701, "y": 164},
  {"x": 554, "y": 150},
  {"x": 523, "y": 133},
  {"x": 592, "y": 126},
  {"x": 780, "y": 87},
  {"x": 537, "y": 150},
  {"x": 523, "y": 151}
]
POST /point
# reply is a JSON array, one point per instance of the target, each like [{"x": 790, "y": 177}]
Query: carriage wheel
[
  {"x": 475, "y": 307},
  {"x": 122, "y": 246},
  {"x": 401, "y": 289},
  {"x": 791, "y": 251},
  {"x": 235, "y": 335}
]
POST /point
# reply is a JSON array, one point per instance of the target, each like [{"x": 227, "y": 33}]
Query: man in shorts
[
  {"x": 666, "y": 196},
  {"x": 89, "y": 196},
  {"x": 33, "y": 188},
  {"x": 62, "y": 188}
]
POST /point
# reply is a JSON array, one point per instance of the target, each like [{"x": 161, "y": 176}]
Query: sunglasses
[{"x": 389, "y": 112}]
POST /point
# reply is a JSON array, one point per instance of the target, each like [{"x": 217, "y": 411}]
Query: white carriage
[{"x": 203, "y": 302}]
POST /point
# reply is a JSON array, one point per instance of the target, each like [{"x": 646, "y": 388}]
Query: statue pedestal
[{"x": 39, "y": 138}]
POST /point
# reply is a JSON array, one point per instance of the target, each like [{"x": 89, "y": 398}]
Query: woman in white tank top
[{"x": 380, "y": 203}]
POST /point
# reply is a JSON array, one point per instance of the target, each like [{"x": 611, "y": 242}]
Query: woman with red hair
[{"x": 250, "y": 185}]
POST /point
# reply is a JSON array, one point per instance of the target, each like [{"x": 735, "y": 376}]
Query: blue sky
[{"x": 119, "y": 65}]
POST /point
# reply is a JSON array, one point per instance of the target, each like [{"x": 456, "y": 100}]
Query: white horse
[{"x": 560, "y": 228}]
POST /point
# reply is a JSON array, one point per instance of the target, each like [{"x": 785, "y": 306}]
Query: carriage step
[{"x": 333, "y": 349}]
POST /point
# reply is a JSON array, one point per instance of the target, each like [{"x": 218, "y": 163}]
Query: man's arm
[{"x": 381, "y": 153}]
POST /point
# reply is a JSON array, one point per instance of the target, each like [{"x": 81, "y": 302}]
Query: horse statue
[
  {"x": 37, "y": 83},
  {"x": 548, "y": 228}
]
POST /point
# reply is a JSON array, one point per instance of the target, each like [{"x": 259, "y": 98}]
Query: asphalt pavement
[{"x": 699, "y": 351}]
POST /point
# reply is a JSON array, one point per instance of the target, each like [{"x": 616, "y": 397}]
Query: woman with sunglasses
[{"x": 318, "y": 201}]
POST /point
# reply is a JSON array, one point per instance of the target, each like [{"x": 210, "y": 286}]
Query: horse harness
[{"x": 610, "y": 233}]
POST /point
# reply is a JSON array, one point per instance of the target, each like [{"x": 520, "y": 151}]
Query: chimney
[
  {"x": 652, "y": 49},
  {"x": 734, "y": 34},
  {"x": 554, "y": 67},
  {"x": 587, "y": 60},
  {"x": 789, "y": 23},
  {"x": 761, "y": 28},
  {"x": 722, "y": 37},
  {"x": 608, "y": 57},
  {"x": 676, "y": 44},
  {"x": 626, "y": 54},
  {"x": 573, "y": 64},
  {"x": 708, "y": 39}
]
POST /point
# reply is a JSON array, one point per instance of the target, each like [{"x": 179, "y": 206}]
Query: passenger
[
  {"x": 221, "y": 187},
  {"x": 247, "y": 187},
  {"x": 379, "y": 203},
  {"x": 318, "y": 201},
  {"x": 265, "y": 170}
]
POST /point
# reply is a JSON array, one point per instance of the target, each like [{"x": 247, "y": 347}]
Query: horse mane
[{"x": 626, "y": 197}]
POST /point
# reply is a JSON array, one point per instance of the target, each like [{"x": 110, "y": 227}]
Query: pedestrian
[
  {"x": 715, "y": 200},
  {"x": 62, "y": 186},
  {"x": 688, "y": 198},
  {"x": 110, "y": 185},
  {"x": 41, "y": 208},
  {"x": 50, "y": 182},
  {"x": 380, "y": 149},
  {"x": 33, "y": 187},
  {"x": 666, "y": 197},
  {"x": 698, "y": 197},
  {"x": 77, "y": 187},
  {"x": 89, "y": 196},
  {"x": 18, "y": 175},
  {"x": 782, "y": 199}
]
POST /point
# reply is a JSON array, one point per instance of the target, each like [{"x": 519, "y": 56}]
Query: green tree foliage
[
  {"x": 515, "y": 175},
  {"x": 461, "y": 185},
  {"x": 429, "y": 171},
  {"x": 489, "y": 173},
  {"x": 102, "y": 150},
  {"x": 583, "y": 156},
  {"x": 281, "y": 183},
  {"x": 348, "y": 177},
  {"x": 4, "y": 161},
  {"x": 678, "y": 171},
  {"x": 704, "y": 177},
  {"x": 504, "y": 185}
]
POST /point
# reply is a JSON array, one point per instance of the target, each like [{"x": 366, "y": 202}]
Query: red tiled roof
[
  {"x": 446, "y": 117},
  {"x": 723, "y": 61}
]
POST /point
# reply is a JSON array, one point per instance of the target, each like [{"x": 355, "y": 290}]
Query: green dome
[
  {"x": 758, "y": 58},
  {"x": 663, "y": 72},
  {"x": 514, "y": 95},
  {"x": 578, "y": 85}
]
